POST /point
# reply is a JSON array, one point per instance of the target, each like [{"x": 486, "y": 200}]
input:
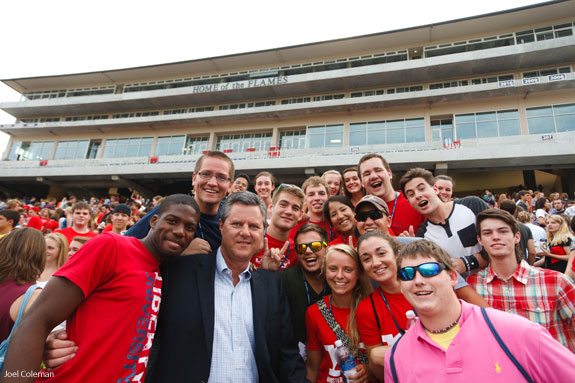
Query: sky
[{"x": 61, "y": 36}]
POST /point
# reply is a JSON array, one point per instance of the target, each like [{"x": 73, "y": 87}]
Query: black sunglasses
[
  {"x": 364, "y": 215},
  {"x": 427, "y": 270},
  {"x": 315, "y": 246}
]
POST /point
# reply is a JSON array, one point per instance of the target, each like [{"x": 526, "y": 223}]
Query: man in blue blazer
[{"x": 221, "y": 322}]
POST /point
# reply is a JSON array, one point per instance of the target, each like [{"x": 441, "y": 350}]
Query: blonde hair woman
[
  {"x": 56, "y": 256},
  {"x": 559, "y": 240},
  {"x": 333, "y": 317}
]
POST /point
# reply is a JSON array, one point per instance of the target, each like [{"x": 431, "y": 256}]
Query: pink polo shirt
[{"x": 475, "y": 356}]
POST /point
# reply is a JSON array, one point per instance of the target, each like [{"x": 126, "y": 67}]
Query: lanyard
[
  {"x": 201, "y": 231},
  {"x": 307, "y": 290},
  {"x": 401, "y": 331},
  {"x": 394, "y": 206}
]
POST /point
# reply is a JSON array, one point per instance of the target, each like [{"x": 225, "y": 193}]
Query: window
[
  {"x": 487, "y": 124},
  {"x": 71, "y": 149},
  {"x": 325, "y": 136},
  {"x": 292, "y": 139},
  {"x": 128, "y": 147},
  {"x": 36, "y": 150},
  {"x": 195, "y": 145},
  {"x": 442, "y": 130},
  {"x": 387, "y": 132},
  {"x": 171, "y": 145},
  {"x": 243, "y": 142},
  {"x": 551, "y": 119}
]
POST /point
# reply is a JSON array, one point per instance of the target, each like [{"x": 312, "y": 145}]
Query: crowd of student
[{"x": 353, "y": 256}]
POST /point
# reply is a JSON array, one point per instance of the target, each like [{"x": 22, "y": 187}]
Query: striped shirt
[
  {"x": 233, "y": 357},
  {"x": 544, "y": 296}
]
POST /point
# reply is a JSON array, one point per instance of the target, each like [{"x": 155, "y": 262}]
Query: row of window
[
  {"x": 540, "y": 120},
  {"x": 325, "y": 97},
  {"x": 521, "y": 37}
]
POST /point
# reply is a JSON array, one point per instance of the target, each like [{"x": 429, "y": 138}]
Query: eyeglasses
[
  {"x": 364, "y": 215},
  {"x": 315, "y": 246},
  {"x": 208, "y": 176},
  {"x": 427, "y": 270}
]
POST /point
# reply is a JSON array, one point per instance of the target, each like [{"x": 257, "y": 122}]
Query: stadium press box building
[{"x": 488, "y": 100}]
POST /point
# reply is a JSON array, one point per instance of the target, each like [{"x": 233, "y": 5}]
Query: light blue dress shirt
[{"x": 233, "y": 352}]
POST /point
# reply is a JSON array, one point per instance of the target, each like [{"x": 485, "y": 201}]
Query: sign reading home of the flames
[{"x": 255, "y": 83}]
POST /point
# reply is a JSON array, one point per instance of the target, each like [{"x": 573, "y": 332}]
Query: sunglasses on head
[
  {"x": 427, "y": 270},
  {"x": 315, "y": 246},
  {"x": 364, "y": 215}
]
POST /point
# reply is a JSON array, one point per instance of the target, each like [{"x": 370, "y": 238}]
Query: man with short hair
[
  {"x": 212, "y": 179},
  {"x": 452, "y": 341},
  {"x": 523, "y": 200},
  {"x": 220, "y": 321},
  {"x": 109, "y": 294},
  {"x": 526, "y": 242},
  {"x": 375, "y": 175},
  {"x": 8, "y": 221},
  {"x": 241, "y": 183},
  {"x": 305, "y": 283},
  {"x": 287, "y": 204},
  {"x": 316, "y": 192},
  {"x": 544, "y": 296},
  {"x": 80, "y": 223},
  {"x": 120, "y": 219},
  {"x": 449, "y": 224}
]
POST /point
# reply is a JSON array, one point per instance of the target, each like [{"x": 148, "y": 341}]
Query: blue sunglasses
[{"x": 427, "y": 270}]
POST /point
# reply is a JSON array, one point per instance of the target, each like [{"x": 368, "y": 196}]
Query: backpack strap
[
  {"x": 392, "y": 362},
  {"x": 23, "y": 304},
  {"x": 504, "y": 346},
  {"x": 338, "y": 331}
]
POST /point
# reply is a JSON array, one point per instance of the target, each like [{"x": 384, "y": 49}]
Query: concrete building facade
[{"x": 488, "y": 100}]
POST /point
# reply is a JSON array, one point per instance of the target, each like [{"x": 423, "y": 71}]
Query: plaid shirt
[{"x": 543, "y": 296}]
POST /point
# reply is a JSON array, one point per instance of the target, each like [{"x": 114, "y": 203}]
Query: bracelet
[
  {"x": 471, "y": 262},
  {"x": 465, "y": 263}
]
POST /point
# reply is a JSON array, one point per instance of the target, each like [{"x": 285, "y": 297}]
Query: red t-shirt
[
  {"x": 114, "y": 326},
  {"x": 38, "y": 223},
  {"x": 108, "y": 228},
  {"x": 290, "y": 256},
  {"x": 369, "y": 333},
  {"x": 321, "y": 337},
  {"x": 402, "y": 215},
  {"x": 70, "y": 233}
]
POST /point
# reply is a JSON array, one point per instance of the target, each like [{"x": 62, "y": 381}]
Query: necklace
[{"x": 445, "y": 329}]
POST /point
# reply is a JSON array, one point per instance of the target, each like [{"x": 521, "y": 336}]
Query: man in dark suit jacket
[{"x": 185, "y": 347}]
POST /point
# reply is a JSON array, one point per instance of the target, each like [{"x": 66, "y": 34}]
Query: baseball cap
[
  {"x": 122, "y": 208},
  {"x": 375, "y": 201}
]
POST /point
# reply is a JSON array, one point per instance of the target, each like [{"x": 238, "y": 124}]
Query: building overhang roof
[{"x": 414, "y": 36}]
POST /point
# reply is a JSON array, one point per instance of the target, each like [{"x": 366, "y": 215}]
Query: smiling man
[
  {"x": 509, "y": 284},
  {"x": 80, "y": 222},
  {"x": 287, "y": 203},
  {"x": 375, "y": 175},
  {"x": 452, "y": 340},
  {"x": 109, "y": 294},
  {"x": 220, "y": 321},
  {"x": 316, "y": 193},
  {"x": 212, "y": 179},
  {"x": 305, "y": 283}
]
